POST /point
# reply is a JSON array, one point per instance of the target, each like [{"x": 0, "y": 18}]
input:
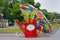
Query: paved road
[{"x": 13, "y": 36}]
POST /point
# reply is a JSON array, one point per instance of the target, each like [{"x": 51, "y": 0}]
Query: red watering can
[{"x": 28, "y": 28}]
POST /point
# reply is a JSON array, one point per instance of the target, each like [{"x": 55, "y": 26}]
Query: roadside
[{"x": 15, "y": 28}]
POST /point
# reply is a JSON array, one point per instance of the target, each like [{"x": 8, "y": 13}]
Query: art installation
[{"x": 34, "y": 21}]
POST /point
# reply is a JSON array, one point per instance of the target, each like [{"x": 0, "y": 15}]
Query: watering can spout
[{"x": 21, "y": 26}]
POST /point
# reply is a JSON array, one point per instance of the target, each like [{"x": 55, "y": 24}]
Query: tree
[
  {"x": 38, "y": 5},
  {"x": 16, "y": 12},
  {"x": 45, "y": 12},
  {"x": 6, "y": 10},
  {"x": 12, "y": 11},
  {"x": 29, "y": 2},
  {"x": 2, "y": 4},
  {"x": 57, "y": 15},
  {"x": 52, "y": 16}
]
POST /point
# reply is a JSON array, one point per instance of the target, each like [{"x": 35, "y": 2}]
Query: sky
[{"x": 50, "y": 5}]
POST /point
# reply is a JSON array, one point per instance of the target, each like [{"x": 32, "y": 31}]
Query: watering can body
[{"x": 29, "y": 29}]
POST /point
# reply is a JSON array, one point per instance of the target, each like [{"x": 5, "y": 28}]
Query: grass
[
  {"x": 10, "y": 30},
  {"x": 54, "y": 27}
]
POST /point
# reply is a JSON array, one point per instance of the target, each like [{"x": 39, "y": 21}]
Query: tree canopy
[
  {"x": 11, "y": 9},
  {"x": 38, "y": 5}
]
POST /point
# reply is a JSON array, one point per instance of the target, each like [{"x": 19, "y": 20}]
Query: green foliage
[
  {"x": 38, "y": 5},
  {"x": 50, "y": 15},
  {"x": 12, "y": 11},
  {"x": 57, "y": 15},
  {"x": 45, "y": 12},
  {"x": 29, "y": 2},
  {"x": 6, "y": 14},
  {"x": 2, "y": 4},
  {"x": 16, "y": 12},
  {"x": 16, "y": 7},
  {"x": 1, "y": 9}
]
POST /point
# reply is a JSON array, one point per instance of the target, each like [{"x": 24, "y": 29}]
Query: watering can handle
[{"x": 21, "y": 26}]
